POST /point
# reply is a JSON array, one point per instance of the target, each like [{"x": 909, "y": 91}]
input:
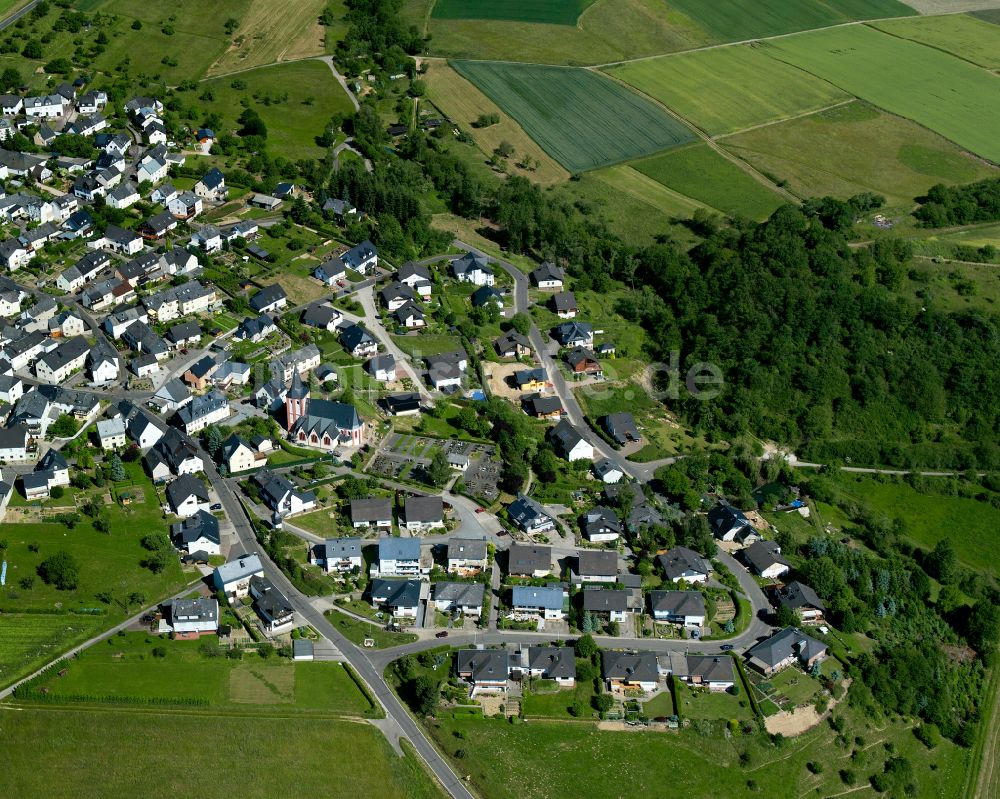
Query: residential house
[
  {"x": 597, "y": 566},
  {"x": 784, "y": 648},
  {"x": 487, "y": 295},
  {"x": 464, "y": 598},
  {"x": 111, "y": 433},
  {"x": 322, "y": 316},
  {"x": 583, "y": 363},
  {"x": 548, "y": 277},
  {"x": 14, "y": 444},
  {"x": 473, "y": 268},
  {"x": 269, "y": 299},
  {"x": 531, "y": 379},
  {"x": 191, "y": 618},
  {"x": 203, "y": 411},
  {"x": 512, "y": 345},
  {"x": 686, "y": 608},
  {"x": 341, "y": 555},
  {"x": 542, "y": 602},
  {"x": 233, "y": 578},
  {"x": 396, "y": 295},
  {"x": 187, "y": 495},
  {"x": 271, "y": 605},
  {"x": 527, "y": 560},
  {"x": 410, "y": 316},
  {"x": 607, "y": 471},
  {"x": 529, "y": 516},
  {"x": 574, "y": 334},
  {"x": 540, "y": 407},
  {"x": 198, "y": 374},
  {"x": 423, "y": 513},
  {"x": 399, "y": 557},
  {"x": 240, "y": 456},
  {"x": 406, "y": 404},
  {"x": 57, "y": 365},
  {"x": 172, "y": 395},
  {"x": 606, "y": 603},
  {"x": 186, "y": 205},
  {"x": 340, "y": 209},
  {"x": 564, "y": 304},
  {"x": 124, "y": 195},
  {"x": 570, "y": 443},
  {"x": 681, "y": 563},
  {"x": 358, "y": 341},
  {"x": 256, "y": 329},
  {"x": 714, "y": 672},
  {"x": 800, "y": 598},
  {"x": 212, "y": 186},
  {"x": 185, "y": 334},
  {"x": 621, "y": 427},
  {"x": 484, "y": 670},
  {"x": 626, "y": 671},
  {"x": 197, "y": 534},
  {"x": 280, "y": 495},
  {"x": 361, "y": 258},
  {"x": 556, "y": 663},
  {"x": 417, "y": 277},
  {"x": 400, "y": 598},
  {"x": 600, "y": 525},
  {"x": 382, "y": 368},
  {"x": 173, "y": 453},
  {"x": 208, "y": 238},
  {"x": 467, "y": 556},
  {"x": 766, "y": 560},
  {"x": 330, "y": 272},
  {"x": 119, "y": 240},
  {"x": 731, "y": 524},
  {"x": 371, "y": 512}
]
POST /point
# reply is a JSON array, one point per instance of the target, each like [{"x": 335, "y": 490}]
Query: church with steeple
[{"x": 320, "y": 423}]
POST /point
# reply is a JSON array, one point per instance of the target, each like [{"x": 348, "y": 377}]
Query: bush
[
  {"x": 60, "y": 570},
  {"x": 928, "y": 734}
]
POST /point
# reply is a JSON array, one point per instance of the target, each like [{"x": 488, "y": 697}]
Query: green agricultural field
[
  {"x": 962, "y": 35},
  {"x": 295, "y": 101},
  {"x": 973, "y": 527},
  {"x": 581, "y": 119},
  {"x": 551, "y": 12},
  {"x": 728, "y": 88},
  {"x": 950, "y": 96},
  {"x": 700, "y": 172},
  {"x": 125, "y": 666},
  {"x": 577, "y": 759},
  {"x": 92, "y": 754},
  {"x": 739, "y": 20},
  {"x": 29, "y": 640},
  {"x": 854, "y": 148}
]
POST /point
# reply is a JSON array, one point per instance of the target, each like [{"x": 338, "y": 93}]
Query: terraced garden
[{"x": 581, "y": 119}]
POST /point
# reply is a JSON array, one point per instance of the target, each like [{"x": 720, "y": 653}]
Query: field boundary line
[
  {"x": 873, "y": 24},
  {"x": 110, "y": 707},
  {"x": 979, "y": 774},
  {"x": 800, "y": 115},
  {"x": 762, "y": 179},
  {"x": 659, "y": 187}
]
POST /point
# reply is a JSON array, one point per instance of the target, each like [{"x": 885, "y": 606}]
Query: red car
[{"x": 480, "y": 510}]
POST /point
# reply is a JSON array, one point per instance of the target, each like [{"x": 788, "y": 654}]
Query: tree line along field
[
  {"x": 729, "y": 88},
  {"x": 699, "y": 172},
  {"x": 550, "y": 12},
  {"x": 950, "y": 96},
  {"x": 580, "y": 118},
  {"x": 961, "y": 35},
  {"x": 854, "y": 148},
  {"x": 56, "y": 752}
]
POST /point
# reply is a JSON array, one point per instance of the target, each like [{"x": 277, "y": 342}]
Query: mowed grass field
[
  {"x": 313, "y": 96},
  {"x": 950, "y": 96},
  {"x": 854, "y": 148},
  {"x": 699, "y": 172},
  {"x": 728, "y": 88},
  {"x": 959, "y": 34},
  {"x": 739, "y": 20},
  {"x": 582, "y": 119},
  {"x": 270, "y": 31},
  {"x": 973, "y": 527},
  {"x": 551, "y": 12},
  {"x": 29, "y": 640},
  {"x": 93, "y": 754},
  {"x": 463, "y": 103}
]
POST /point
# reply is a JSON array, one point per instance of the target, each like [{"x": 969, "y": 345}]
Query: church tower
[{"x": 297, "y": 400}]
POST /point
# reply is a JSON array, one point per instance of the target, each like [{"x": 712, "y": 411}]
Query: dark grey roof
[
  {"x": 784, "y": 644},
  {"x": 638, "y": 667},
  {"x": 762, "y": 554},
  {"x": 710, "y": 668},
  {"x": 678, "y": 603},
  {"x": 564, "y": 301},
  {"x": 566, "y": 436},
  {"x": 527, "y": 559},
  {"x": 604, "y": 600},
  {"x": 542, "y": 406},
  {"x": 573, "y": 331},
  {"x": 600, "y": 519},
  {"x": 524, "y": 511},
  {"x": 354, "y": 335},
  {"x": 370, "y": 509},
  {"x": 679, "y": 561},
  {"x": 597, "y": 563},
  {"x": 201, "y": 406},
  {"x": 202, "y": 525},
  {"x": 466, "y": 594},
  {"x": 396, "y": 593},
  {"x": 621, "y": 427},
  {"x": 184, "y": 331},
  {"x": 349, "y": 547},
  {"x": 423, "y": 509},
  {"x": 547, "y": 271},
  {"x": 797, "y": 595},
  {"x": 480, "y": 665},
  {"x": 183, "y": 487},
  {"x": 470, "y": 262},
  {"x": 467, "y": 548},
  {"x": 267, "y": 296},
  {"x": 557, "y": 663}
]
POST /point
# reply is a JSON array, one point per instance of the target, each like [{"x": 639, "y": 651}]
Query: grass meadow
[
  {"x": 950, "y": 96},
  {"x": 29, "y": 640},
  {"x": 704, "y": 175},
  {"x": 962, "y": 35},
  {"x": 729, "y": 88},
  {"x": 91, "y": 753},
  {"x": 576, "y": 759},
  {"x": 311, "y": 95},
  {"x": 854, "y": 148},
  {"x": 549, "y": 12},
  {"x": 581, "y": 119}
]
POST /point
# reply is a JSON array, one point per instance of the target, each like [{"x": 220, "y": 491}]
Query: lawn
[
  {"x": 29, "y": 640},
  {"x": 950, "y": 96},
  {"x": 321, "y": 522},
  {"x": 623, "y": 179},
  {"x": 711, "y": 705},
  {"x": 429, "y": 344},
  {"x": 463, "y": 104},
  {"x": 699, "y": 172},
  {"x": 124, "y": 666},
  {"x": 728, "y": 88},
  {"x": 582, "y": 119},
  {"x": 959, "y": 34},
  {"x": 272, "y": 31},
  {"x": 48, "y": 752},
  {"x": 548, "y": 704},
  {"x": 973, "y": 527},
  {"x": 357, "y": 631},
  {"x": 560, "y": 759},
  {"x": 295, "y": 101},
  {"x": 855, "y": 148},
  {"x": 550, "y": 12},
  {"x": 738, "y": 20}
]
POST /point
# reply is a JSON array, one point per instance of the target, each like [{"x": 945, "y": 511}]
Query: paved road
[{"x": 396, "y": 715}]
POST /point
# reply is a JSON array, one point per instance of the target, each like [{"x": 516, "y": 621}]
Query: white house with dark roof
[
  {"x": 783, "y": 649},
  {"x": 765, "y": 559},
  {"x": 548, "y": 277},
  {"x": 187, "y": 495},
  {"x": 570, "y": 442},
  {"x": 399, "y": 557},
  {"x": 681, "y": 563},
  {"x": 191, "y": 618},
  {"x": 197, "y": 534},
  {"x": 467, "y": 556},
  {"x": 597, "y": 566},
  {"x": 529, "y": 515},
  {"x": 539, "y": 602},
  {"x": 686, "y": 608},
  {"x": 556, "y": 663},
  {"x": 473, "y": 268},
  {"x": 486, "y": 671},
  {"x": 423, "y": 513},
  {"x": 401, "y": 598},
  {"x": 362, "y": 257},
  {"x": 464, "y": 598},
  {"x": 233, "y": 578},
  {"x": 623, "y": 671},
  {"x": 371, "y": 512},
  {"x": 339, "y": 555}
]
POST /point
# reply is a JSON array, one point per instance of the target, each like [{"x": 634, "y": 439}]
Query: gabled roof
[
  {"x": 212, "y": 179},
  {"x": 185, "y": 486},
  {"x": 371, "y": 509},
  {"x": 528, "y": 559},
  {"x": 342, "y": 548},
  {"x": 466, "y": 594},
  {"x": 556, "y": 662},
  {"x": 573, "y": 331},
  {"x": 564, "y": 301},
  {"x": 202, "y": 525},
  {"x": 679, "y": 561},
  {"x": 424, "y": 509},
  {"x": 390, "y": 548},
  {"x": 632, "y": 667},
  {"x": 678, "y": 603},
  {"x": 396, "y": 593},
  {"x": 358, "y": 254},
  {"x": 483, "y": 665},
  {"x": 604, "y": 600},
  {"x": 797, "y": 595},
  {"x": 784, "y": 644},
  {"x": 597, "y": 563},
  {"x": 621, "y": 426},
  {"x": 549, "y": 597},
  {"x": 524, "y": 511},
  {"x": 267, "y": 296},
  {"x": 466, "y": 549},
  {"x": 566, "y": 436},
  {"x": 471, "y": 262},
  {"x": 353, "y": 336},
  {"x": 763, "y": 554},
  {"x": 547, "y": 271},
  {"x": 239, "y": 568}
]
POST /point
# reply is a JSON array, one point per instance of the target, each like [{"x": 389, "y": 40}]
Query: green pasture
[
  {"x": 959, "y": 34},
  {"x": 950, "y": 96},
  {"x": 551, "y": 12},
  {"x": 581, "y": 119},
  {"x": 701, "y": 173},
  {"x": 728, "y": 88}
]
